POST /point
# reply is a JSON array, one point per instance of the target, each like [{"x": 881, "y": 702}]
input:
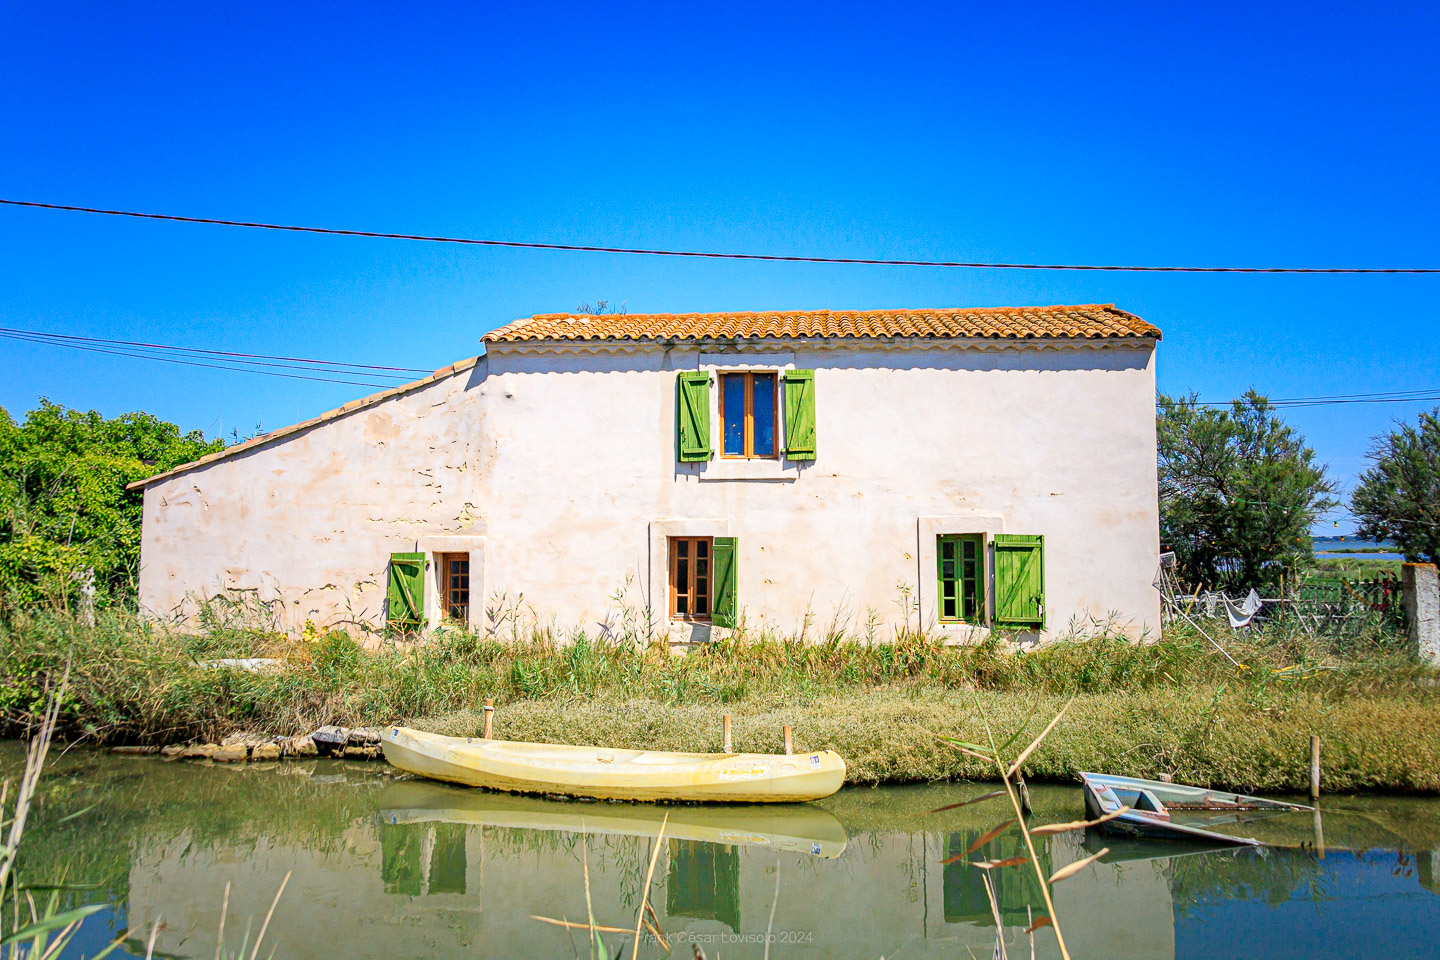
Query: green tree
[
  {"x": 1239, "y": 490},
  {"x": 64, "y": 509},
  {"x": 1398, "y": 499}
]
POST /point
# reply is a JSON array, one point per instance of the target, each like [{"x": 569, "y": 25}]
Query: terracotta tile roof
[{"x": 1088, "y": 321}]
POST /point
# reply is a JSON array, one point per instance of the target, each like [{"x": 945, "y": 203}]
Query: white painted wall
[{"x": 557, "y": 466}]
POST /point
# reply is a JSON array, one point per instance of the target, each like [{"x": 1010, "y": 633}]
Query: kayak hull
[{"x": 606, "y": 774}]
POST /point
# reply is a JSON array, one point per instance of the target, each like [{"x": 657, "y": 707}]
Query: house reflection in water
[
  {"x": 421, "y": 858},
  {"x": 704, "y": 882},
  {"x": 1015, "y": 889}
]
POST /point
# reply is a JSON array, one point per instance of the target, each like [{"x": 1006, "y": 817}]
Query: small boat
[
  {"x": 791, "y": 827},
  {"x": 1174, "y": 811},
  {"x": 606, "y": 774}
]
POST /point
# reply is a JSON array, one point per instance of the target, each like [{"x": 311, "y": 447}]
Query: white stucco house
[{"x": 960, "y": 470}]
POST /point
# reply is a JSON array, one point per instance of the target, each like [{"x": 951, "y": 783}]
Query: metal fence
[{"x": 1340, "y": 600}]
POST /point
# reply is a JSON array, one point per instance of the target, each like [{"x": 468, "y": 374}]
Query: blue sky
[{"x": 1296, "y": 135}]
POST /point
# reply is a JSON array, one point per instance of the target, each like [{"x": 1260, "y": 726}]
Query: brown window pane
[
  {"x": 455, "y": 586},
  {"x": 690, "y": 577}
]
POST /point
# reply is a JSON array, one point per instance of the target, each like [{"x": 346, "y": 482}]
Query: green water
[{"x": 383, "y": 866}]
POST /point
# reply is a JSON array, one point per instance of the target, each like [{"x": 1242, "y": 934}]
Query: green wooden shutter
[
  {"x": 692, "y": 418},
  {"x": 1019, "y": 580},
  {"x": 405, "y": 607},
  {"x": 800, "y": 414},
  {"x": 722, "y": 604}
]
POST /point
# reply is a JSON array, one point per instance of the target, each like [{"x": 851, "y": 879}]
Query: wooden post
[
  {"x": 725, "y": 735},
  {"x": 1314, "y": 768},
  {"x": 489, "y": 716},
  {"x": 789, "y": 741},
  {"x": 1022, "y": 788}
]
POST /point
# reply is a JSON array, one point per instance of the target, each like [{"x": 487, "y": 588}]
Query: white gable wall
[{"x": 558, "y": 469}]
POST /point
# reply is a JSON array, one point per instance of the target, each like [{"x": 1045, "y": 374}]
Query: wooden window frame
[
  {"x": 960, "y": 580},
  {"x": 694, "y": 581},
  {"x": 748, "y": 417},
  {"x": 443, "y": 578}
]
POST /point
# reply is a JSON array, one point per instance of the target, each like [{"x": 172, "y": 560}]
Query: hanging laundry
[{"x": 1243, "y": 611}]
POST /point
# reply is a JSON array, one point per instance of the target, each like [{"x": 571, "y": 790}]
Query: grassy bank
[{"x": 1176, "y": 706}]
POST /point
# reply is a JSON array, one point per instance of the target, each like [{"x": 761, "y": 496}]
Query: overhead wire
[
  {"x": 1395, "y": 396},
  {"x": 216, "y": 353},
  {"x": 700, "y": 254},
  {"x": 235, "y": 366}
]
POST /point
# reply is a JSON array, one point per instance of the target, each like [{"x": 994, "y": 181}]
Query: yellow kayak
[
  {"x": 792, "y": 827},
  {"x": 607, "y": 774}
]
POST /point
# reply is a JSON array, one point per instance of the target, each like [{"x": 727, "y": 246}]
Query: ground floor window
[
  {"x": 454, "y": 579},
  {"x": 690, "y": 577},
  {"x": 962, "y": 577}
]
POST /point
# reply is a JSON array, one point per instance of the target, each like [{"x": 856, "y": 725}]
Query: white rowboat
[{"x": 607, "y": 774}]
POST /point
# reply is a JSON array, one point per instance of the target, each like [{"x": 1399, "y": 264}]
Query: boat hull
[
  {"x": 606, "y": 774},
  {"x": 1104, "y": 795}
]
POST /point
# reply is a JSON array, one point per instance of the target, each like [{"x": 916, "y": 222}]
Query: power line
[
  {"x": 712, "y": 255},
  {"x": 1397, "y": 396},
  {"x": 242, "y": 357},
  {"x": 234, "y": 367}
]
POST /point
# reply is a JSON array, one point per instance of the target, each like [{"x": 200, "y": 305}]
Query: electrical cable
[
  {"x": 242, "y": 357},
  {"x": 195, "y": 363},
  {"x": 712, "y": 255},
  {"x": 1396, "y": 396},
  {"x": 223, "y": 364}
]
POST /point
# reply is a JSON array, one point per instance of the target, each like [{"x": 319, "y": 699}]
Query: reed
[{"x": 1173, "y": 706}]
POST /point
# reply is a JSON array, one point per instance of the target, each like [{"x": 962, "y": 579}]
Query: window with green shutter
[
  {"x": 1019, "y": 580},
  {"x": 692, "y": 415},
  {"x": 723, "y": 605},
  {"x": 405, "y": 598},
  {"x": 961, "y": 559},
  {"x": 800, "y": 414}
]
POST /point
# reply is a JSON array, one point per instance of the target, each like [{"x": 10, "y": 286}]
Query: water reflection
[
  {"x": 421, "y": 858},
  {"x": 704, "y": 882},
  {"x": 1015, "y": 889},
  {"x": 383, "y": 868}
]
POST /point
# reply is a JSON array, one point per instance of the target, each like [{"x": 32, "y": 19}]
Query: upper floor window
[
  {"x": 747, "y": 414},
  {"x": 750, "y": 422}
]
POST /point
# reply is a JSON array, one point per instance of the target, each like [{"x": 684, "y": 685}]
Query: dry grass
[
  {"x": 1173, "y": 707},
  {"x": 1197, "y": 735}
]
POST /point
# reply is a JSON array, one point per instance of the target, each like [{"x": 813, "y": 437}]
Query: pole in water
[
  {"x": 489, "y": 716},
  {"x": 1023, "y": 790},
  {"x": 789, "y": 741},
  {"x": 1314, "y": 768},
  {"x": 725, "y": 734}
]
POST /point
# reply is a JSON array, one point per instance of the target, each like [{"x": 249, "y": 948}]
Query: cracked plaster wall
[{"x": 563, "y": 461}]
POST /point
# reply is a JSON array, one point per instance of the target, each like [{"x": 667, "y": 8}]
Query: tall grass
[{"x": 1174, "y": 699}]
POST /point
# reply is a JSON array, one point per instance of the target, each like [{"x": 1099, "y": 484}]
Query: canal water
[{"x": 389, "y": 867}]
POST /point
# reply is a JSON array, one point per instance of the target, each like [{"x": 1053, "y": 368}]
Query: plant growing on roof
[
  {"x": 1239, "y": 490},
  {"x": 1398, "y": 498}
]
